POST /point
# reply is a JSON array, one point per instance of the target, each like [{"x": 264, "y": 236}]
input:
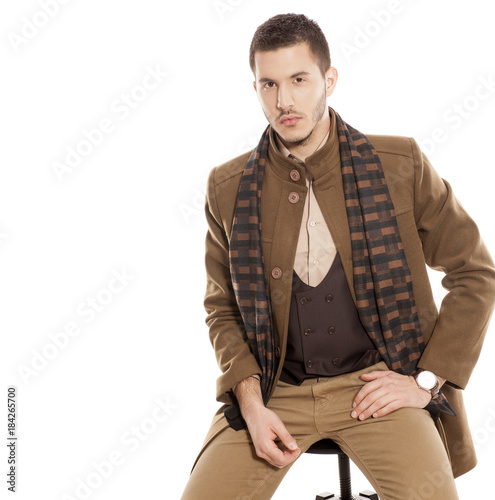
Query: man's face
[{"x": 292, "y": 92}]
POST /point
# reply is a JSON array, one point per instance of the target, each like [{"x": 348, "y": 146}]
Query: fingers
[
  {"x": 265, "y": 430},
  {"x": 277, "y": 457},
  {"x": 270, "y": 452},
  {"x": 375, "y": 374},
  {"x": 384, "y": 393},
  {"x": 286, "y": 438},
  {"x": 377, "y": 404},
  {"x": 374, "y": 382}
]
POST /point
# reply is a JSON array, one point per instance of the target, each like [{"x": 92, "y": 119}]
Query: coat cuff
[{"x": 230, "y": 379}]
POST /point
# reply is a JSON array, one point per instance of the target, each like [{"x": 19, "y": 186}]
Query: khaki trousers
[{"x": 401, "y": 454}]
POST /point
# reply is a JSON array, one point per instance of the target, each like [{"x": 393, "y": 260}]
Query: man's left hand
[{"x": 385, "y": 392}]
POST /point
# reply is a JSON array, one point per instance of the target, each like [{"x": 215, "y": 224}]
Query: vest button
[
  {"x": 293, "y": 197},
  {"x": 331, "y": 329},
  {"x": 307, "y": 331},
  {"x": 277, "y": 352},
  {"x": 309, "y": 363},
  {"x": 328, "y": 298},
  {"x": 335, "y": 361},
  {"x": 295, "y": 175},
  {"x": 303, "y": 300},
  {"x": 276, "y": 273}
]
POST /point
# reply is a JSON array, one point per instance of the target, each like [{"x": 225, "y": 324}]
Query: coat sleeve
[
  {"x": 452, "y": 244},
  {"x": 226, "y": 329}
]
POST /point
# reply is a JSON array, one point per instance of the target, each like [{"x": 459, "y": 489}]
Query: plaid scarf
[{"x": 382, "y": 280}]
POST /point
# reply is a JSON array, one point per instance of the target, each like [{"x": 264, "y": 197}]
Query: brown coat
[{"x": 435, "y": 230}]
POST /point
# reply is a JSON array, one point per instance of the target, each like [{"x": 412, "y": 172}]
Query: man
[{"x": 319, "y": 305}]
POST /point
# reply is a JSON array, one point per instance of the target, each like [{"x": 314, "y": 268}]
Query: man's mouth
[{"x": 289, "y": 120}]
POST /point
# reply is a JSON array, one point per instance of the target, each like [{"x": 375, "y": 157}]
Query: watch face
[{"x": 427, "y": 380}]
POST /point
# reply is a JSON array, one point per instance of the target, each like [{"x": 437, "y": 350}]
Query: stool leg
[
  {"x": 345, "y": 478},
  {"x": 345, "y": 484}
]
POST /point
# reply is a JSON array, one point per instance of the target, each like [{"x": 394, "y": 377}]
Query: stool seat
[
  {"x": 325, "y": 447},
  {"x": 330, "y": 447}
]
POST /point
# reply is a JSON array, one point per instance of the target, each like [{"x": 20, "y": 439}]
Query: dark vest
[{"x": 325, "y": 335}]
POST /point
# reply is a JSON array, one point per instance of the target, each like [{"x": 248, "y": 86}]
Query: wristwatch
[{"x": 427, "y": 381}]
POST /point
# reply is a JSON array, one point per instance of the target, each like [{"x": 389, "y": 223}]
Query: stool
[{"x": 329, "y": 447}]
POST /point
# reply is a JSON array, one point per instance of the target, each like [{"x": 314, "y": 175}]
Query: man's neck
[{"x": 313, "y": 143}]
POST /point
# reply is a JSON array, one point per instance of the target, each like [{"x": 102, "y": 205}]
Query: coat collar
[{"x": 320, "y": 165}]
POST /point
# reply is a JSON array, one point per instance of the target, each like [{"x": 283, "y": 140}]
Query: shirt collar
[
  {"x": 283, "y": 149},
  {"x": 320, "y": 163}
]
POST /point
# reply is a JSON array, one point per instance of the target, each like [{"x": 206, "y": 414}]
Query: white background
[{"x": 135, "y": 203}]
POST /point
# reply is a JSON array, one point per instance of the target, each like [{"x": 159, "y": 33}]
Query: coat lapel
[{"x": 332, "y": 204}]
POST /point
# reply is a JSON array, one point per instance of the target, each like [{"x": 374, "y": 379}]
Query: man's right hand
[{"x": 265, "y": 426}]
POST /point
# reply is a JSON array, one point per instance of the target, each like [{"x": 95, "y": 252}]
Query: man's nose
[{"x": 285, "y": 101}]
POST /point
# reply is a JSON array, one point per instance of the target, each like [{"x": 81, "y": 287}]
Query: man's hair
[{"x": 286, "y": 30}]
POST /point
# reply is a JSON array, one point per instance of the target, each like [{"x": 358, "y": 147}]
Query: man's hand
[
  {"x": 265, "y": 426},
  {"x": 387, "y": 391}
]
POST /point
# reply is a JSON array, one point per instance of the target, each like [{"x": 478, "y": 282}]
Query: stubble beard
[{"x": 318, "y": 113}]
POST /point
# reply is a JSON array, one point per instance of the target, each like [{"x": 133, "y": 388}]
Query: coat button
[
  {"x": 276, "y": 273},
  {"x": 303, "y": 300},
  {"x": 335, "y": 361},
  {"x": 309, "y": 363},
  {"x": 328, "y": 298},
  {"x": 307, "y": 331},
  {"x": 331, "y": 329},
  {"x": 295, "y": 175},
  {"x": 277, "y": 352},
  {"x": 293, "y": 197}
]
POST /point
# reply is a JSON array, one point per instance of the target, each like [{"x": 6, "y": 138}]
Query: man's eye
[
  {"x": 299, "y": 79},
  {"x": 269, "y": 85}
]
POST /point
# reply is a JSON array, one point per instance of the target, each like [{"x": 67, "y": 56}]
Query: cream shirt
[{"x": 315, "y": 250}]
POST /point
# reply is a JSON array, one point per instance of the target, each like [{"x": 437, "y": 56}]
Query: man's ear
[
  {"x": 331, "y": 77},
  {"x": 254, "y": 85}
]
